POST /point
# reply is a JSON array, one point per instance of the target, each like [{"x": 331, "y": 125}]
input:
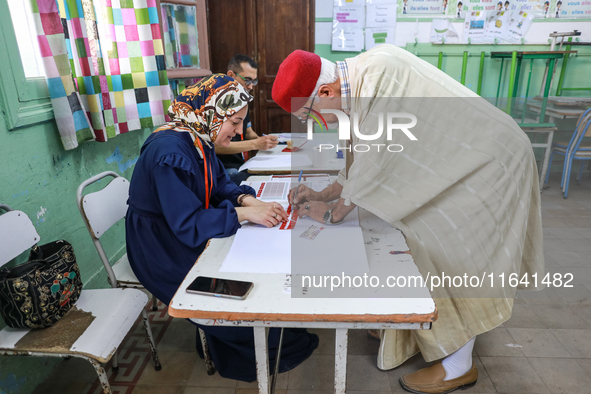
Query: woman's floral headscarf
[{"x": 201, "y": 109}]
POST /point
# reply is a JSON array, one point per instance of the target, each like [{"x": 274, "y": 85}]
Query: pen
[{"x": 298, "y": 187}]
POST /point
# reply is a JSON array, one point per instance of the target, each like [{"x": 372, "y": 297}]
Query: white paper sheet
[
  {"x": 442, "y": 31},
  {"x": 348, "y": 17},
  {"x": 379, "y": 35},
  {"x": 257, "y": 249},
  {"x": 381, "y": 15},
  {"x": 348, "y": 40},
  {"x": 277, "y": 161}
]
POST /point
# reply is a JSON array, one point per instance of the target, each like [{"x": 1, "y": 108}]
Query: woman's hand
[
  {"x": 314, "y": 210},
  {"x": 305, "y": 194},
  {"x": 266, "y": 214}
]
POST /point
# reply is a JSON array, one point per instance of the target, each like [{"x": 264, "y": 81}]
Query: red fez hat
[{"x": 297, "y": 77}]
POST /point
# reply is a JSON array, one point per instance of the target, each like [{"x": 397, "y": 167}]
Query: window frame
[
  {"x": 202, "y": 39},
  {"x": 31, "y": 103}
]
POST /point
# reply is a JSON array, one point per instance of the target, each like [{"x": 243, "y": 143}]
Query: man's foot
[{"x": 431, "y": 380}]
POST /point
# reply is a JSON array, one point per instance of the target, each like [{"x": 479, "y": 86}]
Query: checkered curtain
[
  {"x": 180, "y": 35},
  {"x": 104, "y": 64}
]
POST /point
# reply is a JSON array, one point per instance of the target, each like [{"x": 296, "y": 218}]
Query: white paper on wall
[
  {"x": 324, "y": 8},
  {"x": 519, "y": 24},
  {"x": 496, "y": 25},
  {"x": 349, "y": 40},
  {"x": 379, "y": 35},
  {"x": 348, "y": 3},
  {"x": 442, "y": 31},
  {"x": 474, "y": 26},
  {"x": 348, "y": 18},
  {"x": 381, "y": 15}
]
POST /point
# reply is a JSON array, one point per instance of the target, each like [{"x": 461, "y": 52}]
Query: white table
[
  {"x": 334, "y": 166},
  {"x": 269, "y": 305}
]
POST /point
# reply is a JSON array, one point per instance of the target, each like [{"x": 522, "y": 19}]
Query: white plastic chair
[
  {"x": 100, "y": 210},
  {"x": 115, "y": 311}
]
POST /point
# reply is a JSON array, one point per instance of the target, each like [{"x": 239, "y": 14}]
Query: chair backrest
[
  {"x": 103, "y": 208},
  {"x": 17, "y": 234}
]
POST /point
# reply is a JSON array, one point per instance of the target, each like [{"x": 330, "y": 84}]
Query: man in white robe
[{"x": 465, "y": 194}]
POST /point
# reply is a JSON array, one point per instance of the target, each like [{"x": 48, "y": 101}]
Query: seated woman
[{"x": 180, "y": 197}]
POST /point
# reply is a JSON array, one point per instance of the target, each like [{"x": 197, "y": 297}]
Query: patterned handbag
[{"x": 36, "y": 294}]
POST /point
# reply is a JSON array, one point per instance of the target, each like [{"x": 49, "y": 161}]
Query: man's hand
[
  {"x": 314, "y": 210},
  {"x": 304, "y": 194},
  {"x": 265, "y": 142}
]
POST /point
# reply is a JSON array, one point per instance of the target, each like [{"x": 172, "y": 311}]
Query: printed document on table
[
  {"x": 277, "y": 161},
  {"x": 257, "y": 249}
]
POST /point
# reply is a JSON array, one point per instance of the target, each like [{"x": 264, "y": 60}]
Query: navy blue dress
[{"x": 167, "y": 228}]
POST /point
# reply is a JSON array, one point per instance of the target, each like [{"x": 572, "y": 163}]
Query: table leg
[
  {"x": 262, "y": 358},
  {"x": 546, "y": 160},
  {"x": 340, "y": 368}
]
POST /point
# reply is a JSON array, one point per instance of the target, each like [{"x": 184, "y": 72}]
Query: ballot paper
[
  {"x": 295, "y": 161},
  {"x": 257, "y": 249}
]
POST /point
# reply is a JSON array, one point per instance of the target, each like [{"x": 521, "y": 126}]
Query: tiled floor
[{"x": 544, "y": 348}]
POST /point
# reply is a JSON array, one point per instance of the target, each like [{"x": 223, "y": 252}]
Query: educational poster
[
  {"x": 573, "y": 9},
  {"x": 443, "y": 32},
  {"x": 474, "y": 27},
  {"x": 496, "y": 25},
  {"x": 381, "y": 15},
  {"x": 538, "y": 8},
  {"x": 379, "y": 35},
  {"x": 422, "y": 7},
  {"x": 348, "y": 18},
  {"x": 519, "y": 24},
  {"x": 349, "y": 3},
  {"x": 348, "y": 40}
]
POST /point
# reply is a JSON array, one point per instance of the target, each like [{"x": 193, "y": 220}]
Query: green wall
[{"x": 40, "y": 178}]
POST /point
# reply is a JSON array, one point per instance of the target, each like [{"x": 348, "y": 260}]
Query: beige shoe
[{"x": 430, "y": 380}]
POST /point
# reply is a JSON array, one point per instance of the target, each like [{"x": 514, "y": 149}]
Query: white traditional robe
[{"x": 465, "y": 194}]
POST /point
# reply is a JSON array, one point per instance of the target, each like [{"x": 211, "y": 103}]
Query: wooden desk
[
  {"x": 333, "y": 168},
  {"x": 269, "y": 305}
]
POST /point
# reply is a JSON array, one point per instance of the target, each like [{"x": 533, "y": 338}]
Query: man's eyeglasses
[{"x": 249, "y": 81}]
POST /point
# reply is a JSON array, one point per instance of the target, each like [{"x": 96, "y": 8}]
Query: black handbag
[{"x": 36, "y": 294}]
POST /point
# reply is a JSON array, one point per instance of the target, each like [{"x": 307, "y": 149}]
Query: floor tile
[
  {"x": 199, "y": 377},
  {"x": 62, "y": 387},
  {"x": 585, "y": 363},
  {"x": 562, "y": 375},
  {"x": 363, "y": 374},
  {"x": 578, "y": 245},
  {"x": 360, "y": 343},
  {"x": 180, "y": 334},
  {"x": 558, "y": 316},
  {"x": 546, "y": 296},
  {"x": 326, "y": 343},
  {"x": 555, "y": 245},
  {"x": 208, "y": 390},
  {"x": 176, "y": 367},
  {"x": 537, "y": 342},
  {"x": 568, "y": 259},
  {"x": 513, "y": 375},
  {"x": 149, "y": 389},
  {"x": 523, "y": 317},
  {"x": 281, "y": 383},
  {"x": 255, "y": 390},
  {"x": 495, "y": 343},
  {"x": 583, "y": 311},
  {"x": 316, "y": 373},
  {"x": 576, "y": 342}
]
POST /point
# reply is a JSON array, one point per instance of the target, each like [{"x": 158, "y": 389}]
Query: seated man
[{"x": 244, "y": 70}]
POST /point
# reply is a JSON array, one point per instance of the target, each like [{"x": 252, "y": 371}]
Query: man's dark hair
[{"x": 237, "y": 60}]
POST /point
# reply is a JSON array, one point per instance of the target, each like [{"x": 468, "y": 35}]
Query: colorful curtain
[
  {"x": 105, "y": 66},
  {"x": 180, "y": 35}
]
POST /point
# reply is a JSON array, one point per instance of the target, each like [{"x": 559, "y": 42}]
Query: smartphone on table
[{"x": 217, "y": 287}]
